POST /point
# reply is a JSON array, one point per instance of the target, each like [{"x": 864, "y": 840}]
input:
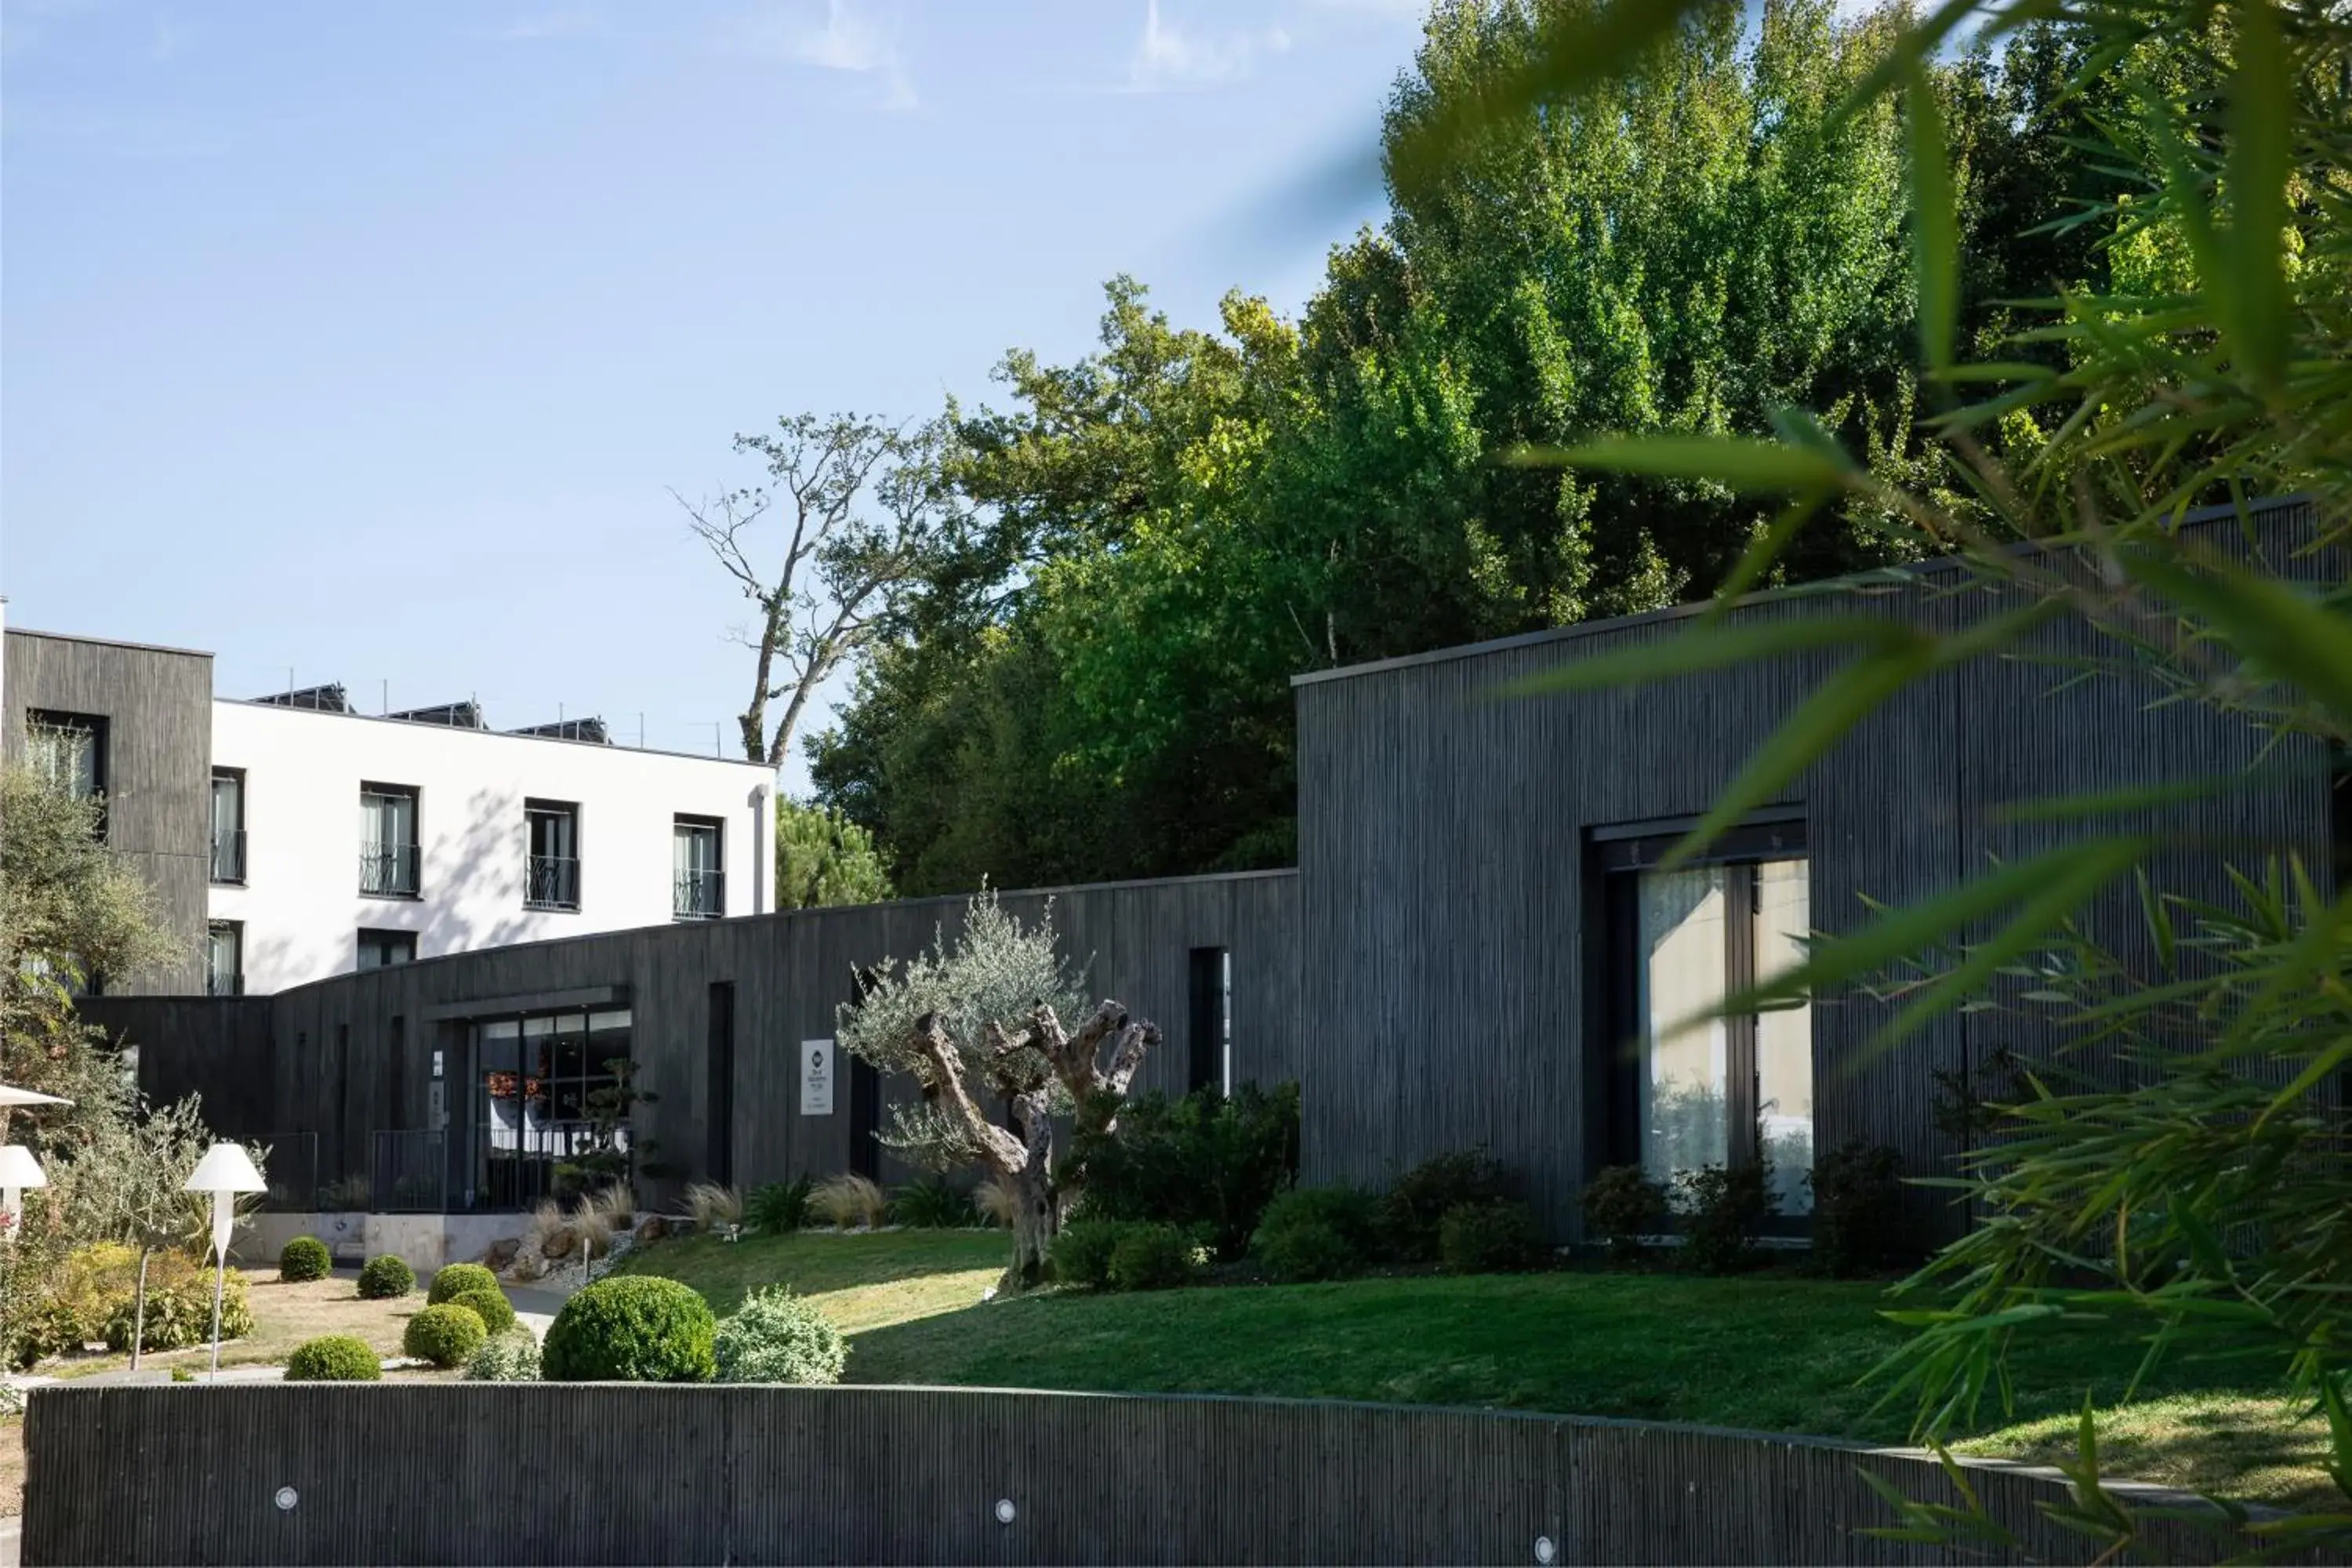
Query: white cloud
[
  {"x": 1166, "y": 56},
  {"x": 848, "y": 40}
]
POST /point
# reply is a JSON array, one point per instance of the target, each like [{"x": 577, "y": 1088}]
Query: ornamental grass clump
[
  {"x": 850, "y": 1203},
  {"x": 779, "y": 1209},
  {"x": 714, "y": 1205}
]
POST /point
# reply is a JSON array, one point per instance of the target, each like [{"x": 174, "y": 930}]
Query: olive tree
[{"x": 979, "y": 1022}]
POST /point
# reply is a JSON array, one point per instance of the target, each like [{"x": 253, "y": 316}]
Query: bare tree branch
[{"x": 863, "y": 513}]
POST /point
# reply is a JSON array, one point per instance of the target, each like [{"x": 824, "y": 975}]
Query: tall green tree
[
  {"x": 2192, "y": 1189},
  {"x": 1094, "y": 679},
  {"x": 822, "y": 858},
  {"x": 70, "y": 910}
]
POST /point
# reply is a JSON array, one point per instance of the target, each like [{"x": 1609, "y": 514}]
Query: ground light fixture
[{"x": 226, "y": 1171}]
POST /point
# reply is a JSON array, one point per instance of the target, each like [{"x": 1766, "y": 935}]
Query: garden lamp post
[
  {"x": 19, "y": 1170},
  {"x": 226, "y": 1171}
]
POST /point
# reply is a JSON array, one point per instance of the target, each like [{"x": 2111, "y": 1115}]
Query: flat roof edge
[
  {"x": 1878, "y": 577},
  {"x": 613, "y": 747},
  {"x": 111, "y": 642}
]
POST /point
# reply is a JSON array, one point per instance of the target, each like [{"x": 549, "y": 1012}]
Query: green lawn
[
  {"x": 1770, "y": 1352},
  {"x": 863, "y": 1282}
]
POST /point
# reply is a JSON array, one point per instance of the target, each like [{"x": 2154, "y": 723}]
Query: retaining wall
[{"x": 426, "y": 1473}]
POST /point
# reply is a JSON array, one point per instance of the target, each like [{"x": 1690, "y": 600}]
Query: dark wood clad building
[
  {"x": 135, "y": 724},
  {"x": 1478, "y": 946}
]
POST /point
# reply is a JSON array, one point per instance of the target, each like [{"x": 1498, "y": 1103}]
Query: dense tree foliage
[
  {"x": 1094, "y": 681},
  {"x": 71, "y": 909},
  {"x": 822, "y": 858}
]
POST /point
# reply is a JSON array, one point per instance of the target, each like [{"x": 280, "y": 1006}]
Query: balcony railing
[
  {"x": 228, "y": 854},
  {"x": 388, "y": 870},
  {"x": 699, "y": 895},
  {"x": 551, "y": 882}
]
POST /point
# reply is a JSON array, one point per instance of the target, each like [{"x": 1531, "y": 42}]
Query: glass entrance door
[{"x": 546, "y": 1121}]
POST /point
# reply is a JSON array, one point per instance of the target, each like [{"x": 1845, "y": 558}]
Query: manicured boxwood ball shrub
[
  {"x": 631, "y": 1329},
  {"x": 456, "y": 1279},
  {"x": 332, "y": 1358},
  {"x": 386, "y": 1278},
  {"x": 497, "y": 1313},
  {"x": 304, "y": 1258},
  {"x": 445, "y": 1335}
]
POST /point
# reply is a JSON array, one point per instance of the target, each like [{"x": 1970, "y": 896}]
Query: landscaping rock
[
  {"x": 502, "y": 1253},
  {"x": 559, "y": 1245},
  {"x": 653, "y": 1227},
  {"x": 527, "y": 1266}
]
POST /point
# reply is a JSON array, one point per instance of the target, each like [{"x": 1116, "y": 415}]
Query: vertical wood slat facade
[
  {"x": 330, "y": 1045},
  {"x": 157, "y": 703},
  {"x": 1451, "y": 943},
  {"x": 1433, "y": 972},
  {"x": 461, "y": 1473}
]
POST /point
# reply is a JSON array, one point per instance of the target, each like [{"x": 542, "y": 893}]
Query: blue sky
[{"x": 370, "y": 339}]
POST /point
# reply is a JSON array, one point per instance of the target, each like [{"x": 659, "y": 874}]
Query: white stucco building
[{"x": 342, "y": 840}]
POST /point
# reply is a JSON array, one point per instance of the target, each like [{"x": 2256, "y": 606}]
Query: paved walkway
[{"x": 535, "y": 1306}]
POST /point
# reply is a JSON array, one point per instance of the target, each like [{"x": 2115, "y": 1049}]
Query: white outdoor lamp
[
  {"x": 19, "y": 1170},
  {"x": 226, "y": 1171}
]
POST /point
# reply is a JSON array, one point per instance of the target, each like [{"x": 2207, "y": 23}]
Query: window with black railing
[
  {"x": 552, "y": 869},
  {"x": 228, "y": 826},
  {"x": 390, "y": 865},
  {"x": 225, "y": 959},
  {"x": 699, "y": 895},
  {"x": 697, "y": 885},
  {"x": 229, "y": 856}
]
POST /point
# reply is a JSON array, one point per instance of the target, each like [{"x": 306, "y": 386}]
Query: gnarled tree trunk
[
  {"x": 1038, "y": 1219},
  {"x": 1026, "y": 1161}
]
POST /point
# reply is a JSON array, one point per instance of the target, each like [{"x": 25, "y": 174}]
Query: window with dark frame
[
  {"x": 389, "y": 862},
  {"x": 68, "y": 749},
  {"x": 698, "y": 880},
  {"x": 228, "y": 827},
  {"x": 382, "y": 949},
  {"x": 534, "y": 1078},
  {"x": 1675, "y": 1090},
  {"x": 551, "y": 865},
  {"x": 1210, "y": 1035},
  {"x": 224, "y": 958}
]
